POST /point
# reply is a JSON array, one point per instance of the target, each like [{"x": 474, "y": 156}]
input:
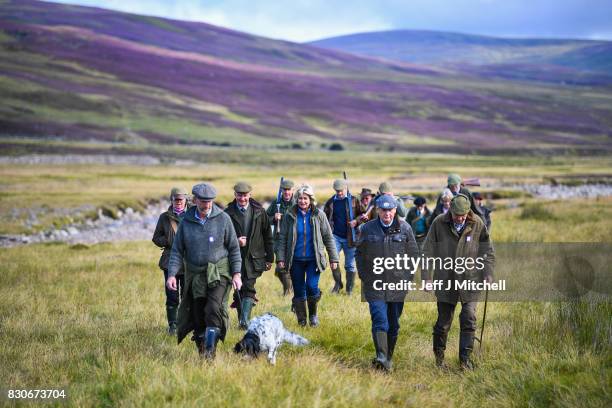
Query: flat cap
[
  {"x": 204, "y": 191},
  {"x": 366, "y": 192},
  {"x": 453, "y": 179},
  {"x": 385, "y": 187},
  {"x": 386, "y": 202},
  {"x": 460, "y": 205},
  {"x": 476, "y": 196},
  {"x": 340, "y": 184},
  {"x": 178, "y": 192},
  {"x": 287, "y": 184},
  {"x": 242, "y": 187}
]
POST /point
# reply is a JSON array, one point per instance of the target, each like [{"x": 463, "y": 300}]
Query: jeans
[
  {"x": 349, "y": 253},
  {"x": 305, "y": 279},
  {"x": 385, "y": 316}
]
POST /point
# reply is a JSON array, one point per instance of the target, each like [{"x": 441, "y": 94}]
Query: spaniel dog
[{"x": 265, "y": 334}]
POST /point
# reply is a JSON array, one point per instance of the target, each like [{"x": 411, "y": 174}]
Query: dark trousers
[
  {"x": 206, "y": 312},
  {"x": 173, "y": 297},
  {"x": 385, "y": 316},
  {"x": 467, "y": 323},
  {"x": 305, "y": 279},
  {"x": 248, "y": 288}
]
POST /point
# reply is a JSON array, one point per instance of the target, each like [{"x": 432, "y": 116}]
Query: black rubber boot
[
  {"x": 245, "y": 316},
  {"x": 200, "y": 340},
  {"x": 439, "y": 346},
  {"x": 381, "y": 362},
  {"x": 171, "y": 312},
  {"x": 466, "y": 345},
  {"x": 299, "y": 307},
  {"x": 337, "y": 274},
  {"x": 212, "y": 338},
  {"x": 350, "y": 282},
  {"x": 312, "y": 310},
  {"x": 391, "y": 341}
]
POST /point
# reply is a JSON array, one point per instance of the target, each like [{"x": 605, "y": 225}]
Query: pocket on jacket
[{"x": 259, "y": 264}]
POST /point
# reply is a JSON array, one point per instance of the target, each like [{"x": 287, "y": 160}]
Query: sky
[{"x": 308, "y": 20}]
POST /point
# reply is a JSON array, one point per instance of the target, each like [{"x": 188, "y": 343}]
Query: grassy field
[{"x": 92, "y": 319}]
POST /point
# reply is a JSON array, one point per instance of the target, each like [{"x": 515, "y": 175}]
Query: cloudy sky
[{"x": 306, "y": 20}]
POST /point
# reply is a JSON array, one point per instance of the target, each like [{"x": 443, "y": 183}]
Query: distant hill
[
  {"x": 443, "y": 48},
  {"x": 81, "y": 73}
]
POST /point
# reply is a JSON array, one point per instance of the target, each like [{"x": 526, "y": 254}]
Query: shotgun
[
  {"x": 279, "y": 197},
  {"x": 473, "y": 182},
  {"x": 350, "y": 207}
]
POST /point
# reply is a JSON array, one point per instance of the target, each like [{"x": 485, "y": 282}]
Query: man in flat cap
[
  {"x": 275, "y": 212},
  {"x": 387, "y": 236},
  {"x": 254, "y": 234},
  {"x": 163, "y": 237},
  {"x": 337, "y": 211},
  {"x": 460, "y": 235},
  {"x": 206, "y": 245},
  {"x": 454, "y": 183}
]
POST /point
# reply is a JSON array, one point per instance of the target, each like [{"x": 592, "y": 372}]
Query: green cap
[
  {"x": 177, "y": 191},
  {"x": 460, "y": 205},
  {"x": 385, "y": 187},
  {"x": 287, "y": 184},
  {"x": 339, "y": 184},
  {"x": 453, "y": 179},
  {"x": 242, "y": 187}
]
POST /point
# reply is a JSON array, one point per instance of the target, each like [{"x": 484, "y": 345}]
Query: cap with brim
[
  {"x": 386, "y": 202},
  {"x": 453, "y": 179},
  {"x": 460, "y": 205},
  {"x": 287, "y": 184},
  {"x": 385, "y": 187},
  {"x": 204, "y": 191},
  {"x": 178, "y": 192},
  {"x": 366, "y": 192},
  {"x": 242, "y": 187},
  {"x": 339, "y": 184}
]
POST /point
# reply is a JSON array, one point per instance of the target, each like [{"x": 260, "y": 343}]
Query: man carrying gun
[
  {"x": 342, "y": 212},
  {"x": 458, "y": 186},
  {"x": 276, "y": 211}
]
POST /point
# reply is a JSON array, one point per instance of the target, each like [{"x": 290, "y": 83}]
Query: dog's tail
[{"x": 294, "y": 338}]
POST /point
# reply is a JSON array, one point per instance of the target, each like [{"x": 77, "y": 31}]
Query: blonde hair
[
  {"x": 446, "y": 195},
  {"x": 309, "y": 191}
]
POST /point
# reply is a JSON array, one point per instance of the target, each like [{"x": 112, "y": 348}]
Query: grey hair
[
  {"x": 309, "y": 191},
  {"x": 446, "y": 193}
]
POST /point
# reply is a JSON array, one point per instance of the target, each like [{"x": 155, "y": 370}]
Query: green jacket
[
  {"x": 163, "y": 237},
  {"x": 271, "y": 211},
  {"x": 443, "y": 242},
  {"x": 208, "y": 253},
  {"x": 260, "y": 245},
  {"x": 321, "y": 233}
]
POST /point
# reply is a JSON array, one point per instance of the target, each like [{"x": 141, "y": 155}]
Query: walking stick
[{"x": 484, "y": 319}]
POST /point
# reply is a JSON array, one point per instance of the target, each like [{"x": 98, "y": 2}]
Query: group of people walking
[{"x": 209, "y": 249}]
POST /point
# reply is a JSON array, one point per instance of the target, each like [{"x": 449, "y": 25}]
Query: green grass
[{"x": 92, "y": 320}]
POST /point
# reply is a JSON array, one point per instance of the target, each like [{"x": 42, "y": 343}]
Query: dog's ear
[{"x": 238, "y": 347}]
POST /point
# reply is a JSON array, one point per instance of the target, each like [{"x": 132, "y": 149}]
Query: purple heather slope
[{"x": 126, "y": 71}]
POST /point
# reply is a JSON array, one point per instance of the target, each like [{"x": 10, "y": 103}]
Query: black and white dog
[{"x": 265, "y": 334}]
